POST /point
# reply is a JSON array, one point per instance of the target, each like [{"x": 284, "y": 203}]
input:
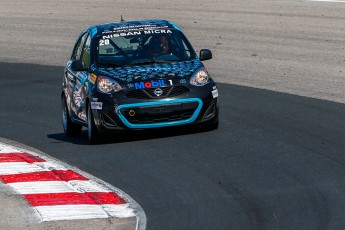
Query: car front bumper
[{"x": 119, "y": 112}]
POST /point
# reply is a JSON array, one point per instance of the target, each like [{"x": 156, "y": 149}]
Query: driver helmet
[{"x": 158, "y": 45}]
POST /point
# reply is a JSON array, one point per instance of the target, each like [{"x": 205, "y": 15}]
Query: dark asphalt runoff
[{"x": 277, "y": 160}]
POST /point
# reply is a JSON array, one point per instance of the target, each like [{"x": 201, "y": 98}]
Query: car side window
[
  {"x": 85, "y": 56},
  {"x": 79, "y": 47}
]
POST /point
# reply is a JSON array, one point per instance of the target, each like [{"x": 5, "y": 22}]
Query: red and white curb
[{"x": 58, "y": 191}]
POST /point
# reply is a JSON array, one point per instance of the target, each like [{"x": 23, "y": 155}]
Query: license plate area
[
  {"x": 160, "y": 109},
  {"x": 159, "y": 113}
]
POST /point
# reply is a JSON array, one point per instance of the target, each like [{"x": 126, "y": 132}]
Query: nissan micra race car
[{"x": 136, "y": 75}]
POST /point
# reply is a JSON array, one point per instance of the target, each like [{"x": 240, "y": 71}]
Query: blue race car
[{"x": 136, "y": 75}]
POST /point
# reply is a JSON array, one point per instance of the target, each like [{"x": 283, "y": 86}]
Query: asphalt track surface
[{"x": 276, "y": 162}]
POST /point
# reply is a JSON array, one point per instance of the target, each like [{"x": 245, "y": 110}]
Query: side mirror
[
  {"x": 78, "y": 65},
  {"x": 205, "y": 54}
]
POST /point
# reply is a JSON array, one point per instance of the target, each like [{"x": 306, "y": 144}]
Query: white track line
[
  {"x": 71, "y": 212},
  {"x": 7, "y": 149},
  {"x": 41, "y": 187},
  {"x": 87, "y": 186},
  {"x": 120, "y": 210},
  {"x": 19, "y": 167},
  {"x": 24, "y": 167}
]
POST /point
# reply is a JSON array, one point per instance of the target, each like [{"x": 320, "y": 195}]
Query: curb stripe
[
  {"x": 119, "y": 210},
  {"x": 19, "y": 167},
  {"x": 54, "y": 175},
  {"x": 41, "y": 187},
  {"x": 74, "y": 198},
  {"x": 68, "y": 175},
  {"x": 58, "y": 193},
  {"x": 67, "y": 198},
  {"x": 20, "y": 157},
  {"x": 71, "y": 212},
  {"x": 105, "y": 198}
]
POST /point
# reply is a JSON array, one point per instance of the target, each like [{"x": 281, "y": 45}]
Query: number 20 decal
[{"x": 104, "y": 42}]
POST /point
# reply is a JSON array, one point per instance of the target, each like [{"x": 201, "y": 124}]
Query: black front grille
[
  {"x": 178, "y": 90},
  {"x": 160, "y": 113},
  {"x": 172, "y": 91},
  {"x": 138, "y": 94},
  {"x": 167, "y": 118},
  {"x": 166, "y": 91}
]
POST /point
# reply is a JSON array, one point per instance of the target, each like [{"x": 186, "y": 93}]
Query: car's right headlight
[
  {"x": 200, "y": 77},
  {"x": 108, "y": 85}
]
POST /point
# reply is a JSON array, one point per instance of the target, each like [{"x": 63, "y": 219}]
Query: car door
[{"x": 77, "y": 79}]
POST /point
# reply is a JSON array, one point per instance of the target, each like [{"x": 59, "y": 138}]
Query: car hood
[{"x": 131, "y": 74}]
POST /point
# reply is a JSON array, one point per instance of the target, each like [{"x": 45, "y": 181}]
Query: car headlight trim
[
  {"x": 200, "y": 77},
  {"x": 107, "y": 85}
]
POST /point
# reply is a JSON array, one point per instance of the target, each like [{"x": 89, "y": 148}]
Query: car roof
[{"x": 133, "y": 25}]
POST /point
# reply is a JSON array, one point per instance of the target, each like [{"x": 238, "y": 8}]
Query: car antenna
[{"x": 122, "y": 18}]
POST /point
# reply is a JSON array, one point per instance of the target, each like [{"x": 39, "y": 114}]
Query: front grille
[
  {"x": 172, "y": 91},
  {"x": 166, "y": 91},
  {"x": 161, "y": 113},
  {"x": 168, "y": 118},
  {"x": 178, "y": 90},
  {"x": 138, "y": 94}
]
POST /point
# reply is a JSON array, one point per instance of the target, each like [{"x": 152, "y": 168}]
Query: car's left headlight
[
  {"x": 107, "y": 85},
  {"x": 200, "y": 77}
]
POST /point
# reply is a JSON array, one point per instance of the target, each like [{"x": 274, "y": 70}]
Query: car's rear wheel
[
  {"x": 70, "y": 128},
  {"x": 92, "y": 132}
]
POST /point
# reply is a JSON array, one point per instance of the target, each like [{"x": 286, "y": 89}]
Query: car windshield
[{"x": 142, "y": 47}]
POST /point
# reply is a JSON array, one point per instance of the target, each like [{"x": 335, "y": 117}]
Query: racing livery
[{"x": 136, "y": 75}]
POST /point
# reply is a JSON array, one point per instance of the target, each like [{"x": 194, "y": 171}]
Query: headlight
[
  {"x": 107, "y": 85},
  {"x": 200, "y": 77}
]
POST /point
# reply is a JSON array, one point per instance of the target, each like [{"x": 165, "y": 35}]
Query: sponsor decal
[
  {"x": 148, "y": 84},
  {"x": 134, "y": 30},
  {"x": 105, "y": 38},
  {"x": 127, "y": 28},
  {"x": 96, "y": 105},
  {"x": 125, "y": 34},
  {"x": 93, "y": 78},
  {"x": 215, "y": 93}
]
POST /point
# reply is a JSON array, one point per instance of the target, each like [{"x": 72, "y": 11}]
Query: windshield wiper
[
  {"x": 149, "y": 62},
  {"x": 108, "y": 64}
]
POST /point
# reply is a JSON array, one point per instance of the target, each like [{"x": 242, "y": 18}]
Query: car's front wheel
[
  {"x": 70, "y": 128},
  {"x": 92, "y": 132}
]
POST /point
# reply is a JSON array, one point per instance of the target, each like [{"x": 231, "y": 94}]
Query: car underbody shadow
[{"x": 130, "y": 136}]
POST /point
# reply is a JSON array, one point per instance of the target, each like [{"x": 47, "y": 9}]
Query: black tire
[
  {"x": 70, "y": 128},
  {"x": 92, "y": 132}
]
